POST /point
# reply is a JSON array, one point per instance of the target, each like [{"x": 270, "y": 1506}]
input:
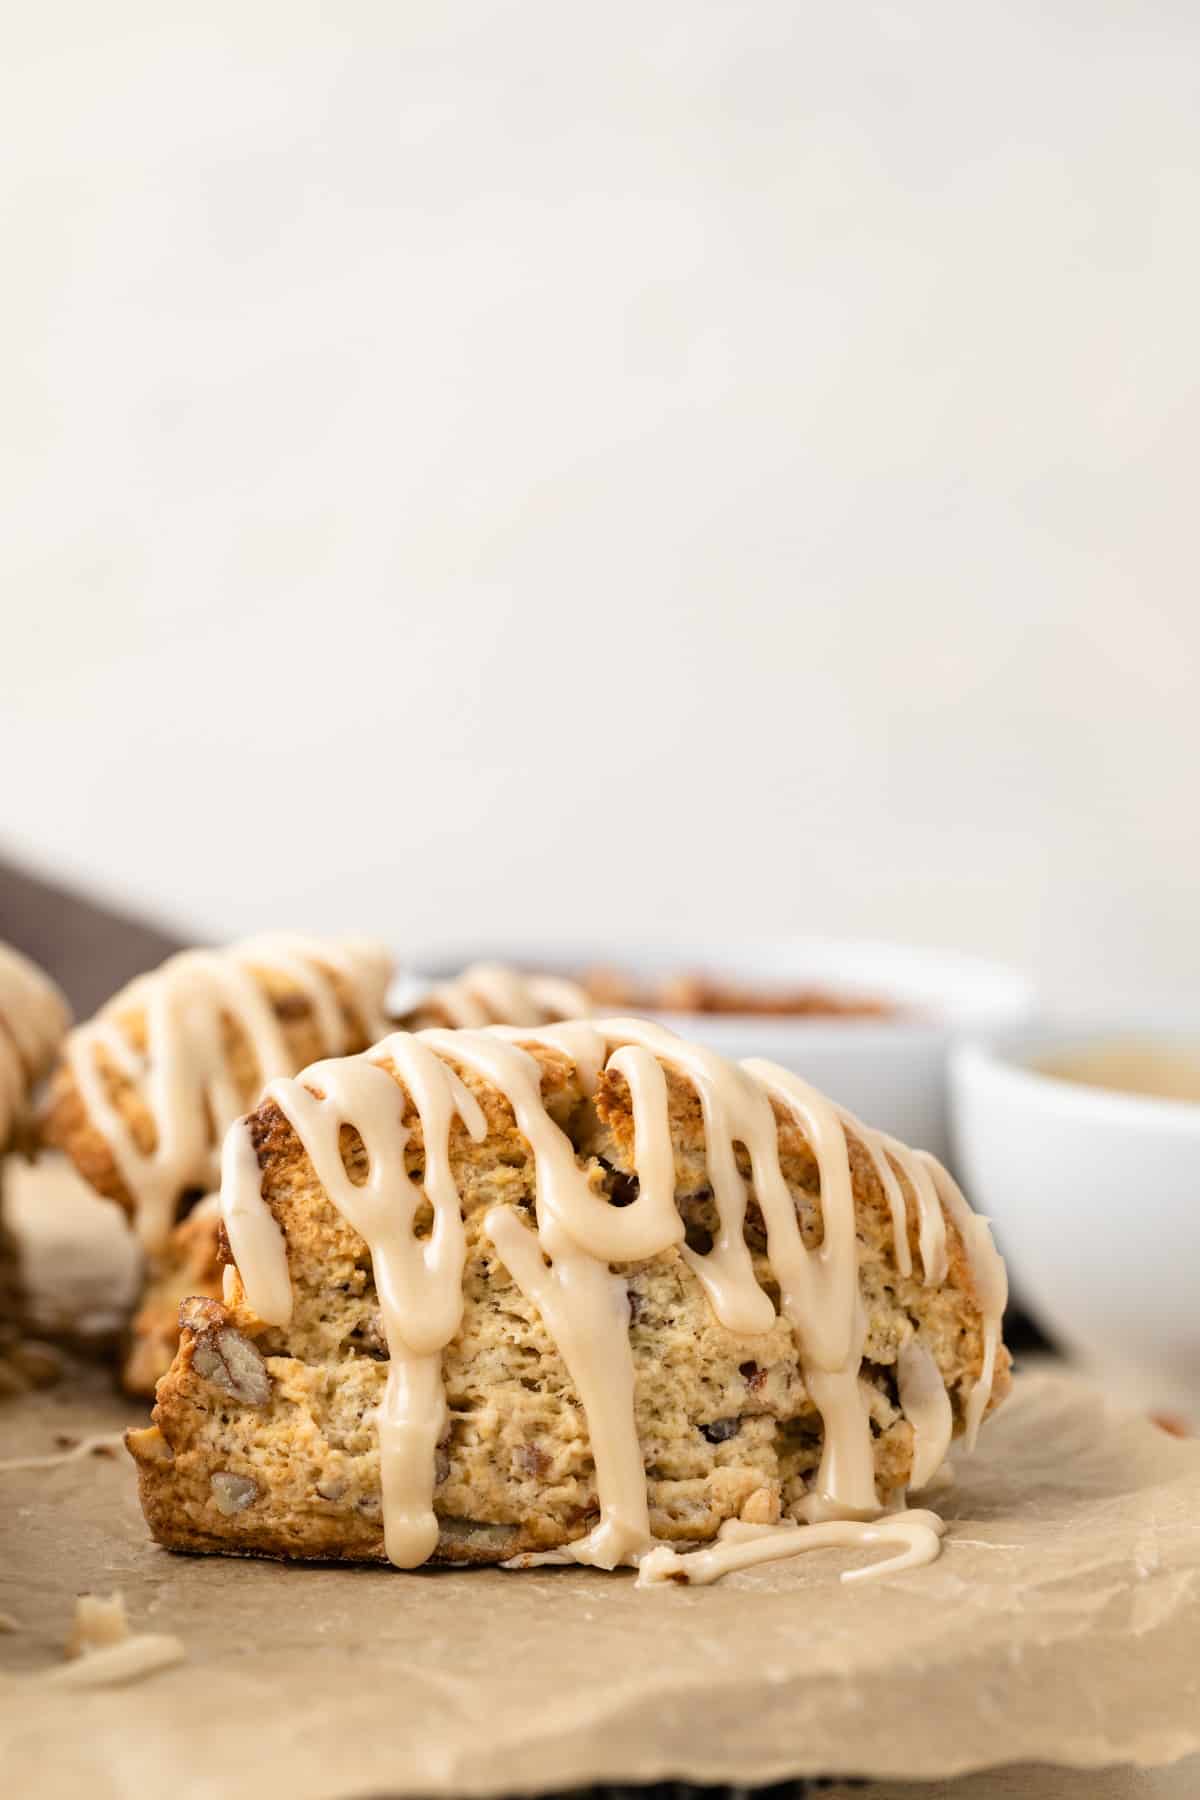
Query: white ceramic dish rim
[
  {"x": 961, "y": 991},
  {"x": 1007, "y": 1063}
]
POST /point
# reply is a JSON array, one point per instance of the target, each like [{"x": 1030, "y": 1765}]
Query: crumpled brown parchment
[{"x": 1061, "y": 1624}]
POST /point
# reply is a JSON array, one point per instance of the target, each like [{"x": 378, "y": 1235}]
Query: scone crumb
[
  {"x": 762, "y": 1507},
  {"x": 98, "y": 1624},
  {"x": 148, "y": 1445}
]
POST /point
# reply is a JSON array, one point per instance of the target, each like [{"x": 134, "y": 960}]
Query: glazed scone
[
  {"x": 577, "y": 1347},
  {"x": 34, "y": 1017},
  {"x": 489, "y": 993},
  {"x": 142, "y": 1094},
  {"x": 24, "y": 1363}
]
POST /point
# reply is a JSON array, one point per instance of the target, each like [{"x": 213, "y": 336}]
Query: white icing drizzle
[
  {"x": 927, "y": 1408},
  {"x": 34, "y": 1017},
  {"x": 490, "y": 993},
  {"x": 931, "y": 1221},
  {"x": 740, "y": 1546},
  {"x": 185, "y": 1078},
  {"x": 419, "y": 1282},
  {"x": 562, "y": 1264},
  {"x": 255, "y": 1239}
]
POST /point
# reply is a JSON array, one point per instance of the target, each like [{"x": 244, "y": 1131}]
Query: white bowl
[
  {"x": 1095, "y": 1197},
  {"x": 890, "y": 1071}
]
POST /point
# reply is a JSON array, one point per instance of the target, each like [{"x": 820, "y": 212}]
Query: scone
[
  {"x": 490, "y": 993},
  {"x": 143, "y": 1093},
  {"x": 33, "y": 1019},
  {"x": 578, "y": 1292}
]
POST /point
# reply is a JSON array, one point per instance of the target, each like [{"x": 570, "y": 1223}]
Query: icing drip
[
  {"x": 927, "y": 1408},
  {"x": 586, "y": 1311},
  {"x": 742, "y": 1546},
  {"x": 255, "y": 1240},
  {"x": 33, "y": 1019},
  {"x": 492, "y": 993},
  {"x": 419, "y": 1282},
  {"x": 562, "y": 1265},
  {"x": 931, "y": 1221},
  {"x": 185, "y": 1077}
]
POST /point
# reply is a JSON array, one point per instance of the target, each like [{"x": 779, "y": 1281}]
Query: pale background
[{"x": 603, "y": 469}]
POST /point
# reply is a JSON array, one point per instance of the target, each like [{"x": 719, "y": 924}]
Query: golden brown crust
[
  {"x": 189, "y": 1264},
  {"x": 279, "y": 1420}
]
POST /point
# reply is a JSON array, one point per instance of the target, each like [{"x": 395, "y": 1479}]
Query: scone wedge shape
[
  {"x": 34, "y": 1017},
  {"x": 587, "y": 1293}
]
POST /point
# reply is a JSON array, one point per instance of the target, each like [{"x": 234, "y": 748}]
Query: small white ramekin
[{"x": 1095, "y": 1198}]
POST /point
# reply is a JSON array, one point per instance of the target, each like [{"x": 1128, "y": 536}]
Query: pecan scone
[{"x": 585, "y": 1290}]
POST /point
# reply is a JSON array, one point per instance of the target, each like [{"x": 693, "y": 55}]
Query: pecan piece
[
  {"x": 223, "y": 1356},
  {"x": 199, "y": 1314},
  {"x": 233, "y": 1493}
]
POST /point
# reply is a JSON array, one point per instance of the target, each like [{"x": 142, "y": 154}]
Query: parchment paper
[{"x": 1061, "y": 1625}]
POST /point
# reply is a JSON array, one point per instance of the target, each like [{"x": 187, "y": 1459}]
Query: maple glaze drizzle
[{"x": 562, "y": 1262}]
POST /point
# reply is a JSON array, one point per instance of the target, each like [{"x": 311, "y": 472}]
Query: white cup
[{"x": 1095, "y": 1199}]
